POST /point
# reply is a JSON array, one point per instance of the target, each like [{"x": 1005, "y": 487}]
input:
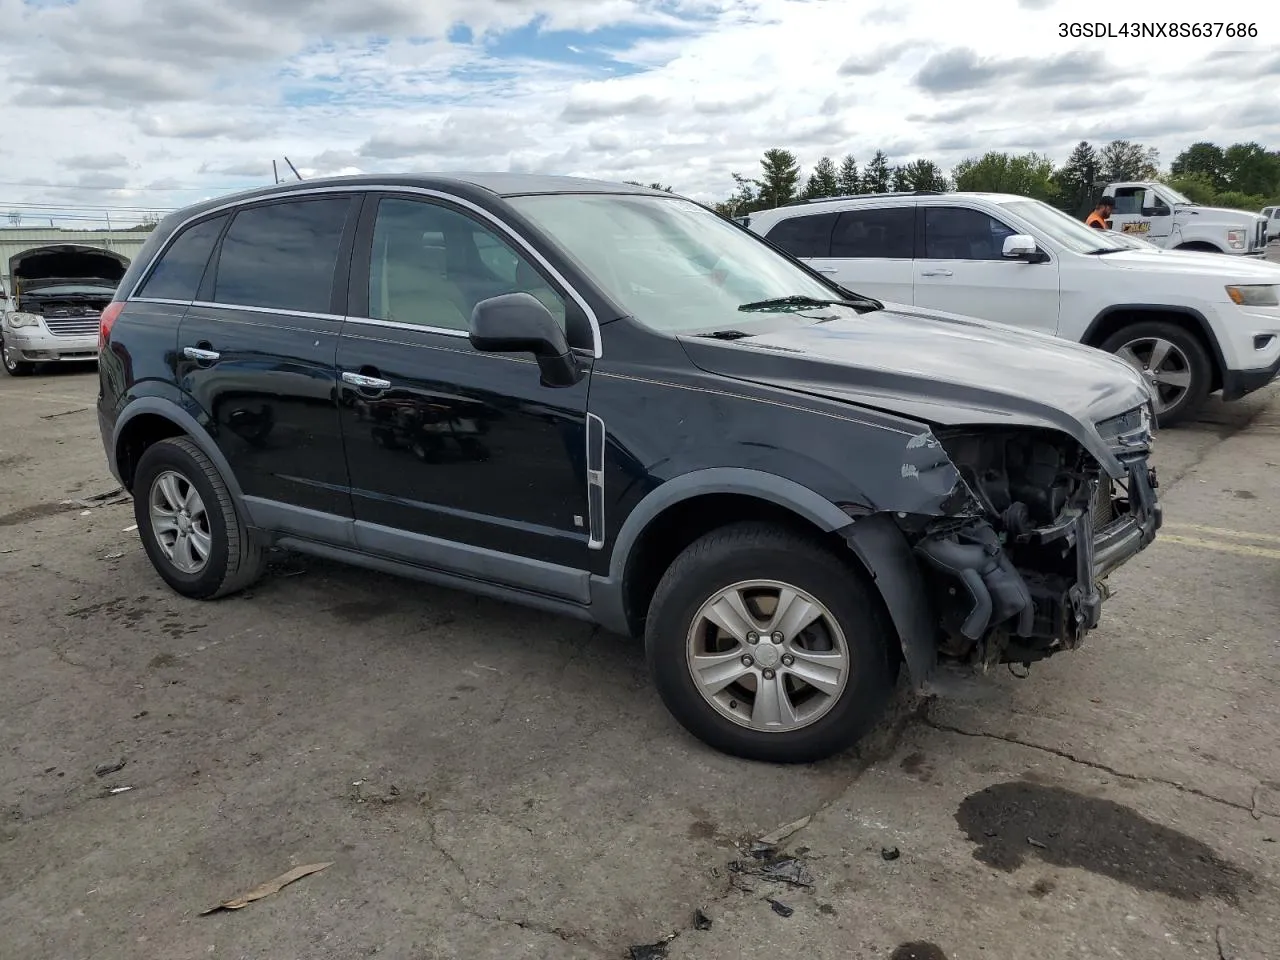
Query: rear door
[
  {"x": 459, "y": 460},
  {"x": 871, "y": 251},
  {"x": 256, "y": 353},
  {"x": 961, "y": 268}
]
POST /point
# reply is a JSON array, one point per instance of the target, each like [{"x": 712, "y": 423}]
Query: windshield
[
  {"x": 1064, "y": 229},
  {"x": 1174, "y": 195},
  {"x": 673, "y": 265},
  {"x": 103, "y": 289}
]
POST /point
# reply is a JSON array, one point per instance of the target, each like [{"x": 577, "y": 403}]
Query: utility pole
[
  {"x": 275, "y": 172},
  {"x": 293, "y": 168}
]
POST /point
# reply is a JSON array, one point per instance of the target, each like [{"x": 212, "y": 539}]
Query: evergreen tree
[
  {"x": 875, "y": 178},
  {"x": 847, "y": 179}
]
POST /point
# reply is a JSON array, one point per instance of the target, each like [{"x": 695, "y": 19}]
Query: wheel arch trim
[
  {"x": 158, "y": 406},
  {"x": 1154, "y": 308}
]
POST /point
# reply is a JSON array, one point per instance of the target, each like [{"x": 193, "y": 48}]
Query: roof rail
[{"x": 862, "y": 196}]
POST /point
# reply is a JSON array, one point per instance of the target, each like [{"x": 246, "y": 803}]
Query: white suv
[{"x": 1192, "y": 323}]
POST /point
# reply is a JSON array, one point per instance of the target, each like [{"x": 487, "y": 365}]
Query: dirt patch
[
  {"x": 1011, "y": 821},
  {"x": 34, "y": 512},
  {"x": 918, "y": 951},
  {"x": 361, "y": 611}
]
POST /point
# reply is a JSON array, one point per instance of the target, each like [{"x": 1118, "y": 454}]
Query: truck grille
[{"x": 72, "y": 326}]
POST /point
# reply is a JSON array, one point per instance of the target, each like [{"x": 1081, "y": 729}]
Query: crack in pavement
[{"x": 1092, "y": 764}]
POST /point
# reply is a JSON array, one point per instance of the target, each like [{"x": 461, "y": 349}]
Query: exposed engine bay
[{"x": 1018, "y": 572}]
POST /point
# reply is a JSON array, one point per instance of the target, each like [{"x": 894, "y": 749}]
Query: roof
[
  {"x": 463, "y": 184},
  {"x": 930, "y": 197}
]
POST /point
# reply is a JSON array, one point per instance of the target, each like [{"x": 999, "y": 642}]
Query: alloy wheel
[
  {"x": 1163, "y": 365},
  {"x": 180, "y": 522},
  {"x": 767, "y": 656}
]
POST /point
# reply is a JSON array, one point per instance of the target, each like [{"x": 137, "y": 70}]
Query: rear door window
[
  {"x": 808, "y": 236},
  {"x": 884, "y": 233},
  {"x": 282, "y": 255},
  {"x": 178, "y": 273}
]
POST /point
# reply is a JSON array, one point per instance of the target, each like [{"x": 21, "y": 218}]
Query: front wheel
[
  {"x": 767, "y": 646},
  {"x": 12, "y": 365},
  {"x": 1173, "y": 362}
]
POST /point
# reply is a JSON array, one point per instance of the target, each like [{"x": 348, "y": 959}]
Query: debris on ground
[
  {"x": 114, "y": 790},
  {"x": 784, "y": 831},
  {"x": 780, "y": 908},
  {"x": 890, "y": 853},
  {"x": 368, "y": 791},
  {"x": 268, "y": 888},
  {"x": 113, "y": 556},
  {"x": 1037, "y": 844},
  {"x": 776, "y": 870},
  {"x": 106, "y": 769},
  {"x": 130, "y": 529},
  {"x": 111, "y": 497},
  {"x": 650, "y": 951},
  {"x": 701, "y": 921}
]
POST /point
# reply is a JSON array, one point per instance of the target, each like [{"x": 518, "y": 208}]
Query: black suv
[{"x": 609, "y": 402}]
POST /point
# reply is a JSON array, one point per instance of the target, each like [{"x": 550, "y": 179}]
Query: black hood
[{"x": 941, "y": 369}]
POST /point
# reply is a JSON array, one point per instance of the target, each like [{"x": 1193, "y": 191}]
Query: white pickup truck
[
  {"x": 1191, "y": 323},
  {"x": 1161, "y": 215}
]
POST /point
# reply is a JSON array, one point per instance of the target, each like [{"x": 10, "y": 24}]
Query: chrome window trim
[
  {"x": 361, "y": 189},
  {"x": 402, "y": 325},
  {"x": 164, "y": 300},
  {"x": 273, "y": 311}
]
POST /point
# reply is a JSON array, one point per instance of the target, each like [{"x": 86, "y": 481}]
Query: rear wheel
[
  {"x": 12, "y": 365},
  {"x": 1173, "y": 362},
  {"x": 188, "y": 523},
  {"x": 767, "y": 646}
]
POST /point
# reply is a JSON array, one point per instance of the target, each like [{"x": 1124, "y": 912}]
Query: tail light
[{"x": 106, "y": 320}]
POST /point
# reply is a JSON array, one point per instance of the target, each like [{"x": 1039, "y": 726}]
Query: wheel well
[
  {"x": 1199, "y": 245},
  {"x": 1119, "y": 319},
  {"x": 139, "y": 434},
  {"x": 667, "y": 535}
]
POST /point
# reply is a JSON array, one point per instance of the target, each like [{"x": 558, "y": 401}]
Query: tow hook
[{"x": 1152, "y": 479}]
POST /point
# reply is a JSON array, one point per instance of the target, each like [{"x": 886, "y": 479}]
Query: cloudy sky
[{"x": 156, "y": 103}]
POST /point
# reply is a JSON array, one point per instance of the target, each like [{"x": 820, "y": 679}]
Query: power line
[
  {"x": 101, "y": 188},
  {"x": 32, "y": 205}
]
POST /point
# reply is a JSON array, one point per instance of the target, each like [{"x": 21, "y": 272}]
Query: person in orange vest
[{"x": 1101, "y": 216}]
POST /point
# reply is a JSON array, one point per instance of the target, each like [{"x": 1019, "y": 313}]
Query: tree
[
  {"x": 1202, "y": 159},
  {"x": 1250, "y": 169},
  {"x": 824, "y": 181},
  {"x": 1126, "y": 160},
  {"x": 847, "y": 179},
  {"x": 779, "y": 177},
  {"x": 15, "y": 218},
  {"x": 875, "y": 178},
  {"x": 920, "y": 175},
  {"x": 652, "y": 186},
  {"x": 1028, "y": 174},
  {"x": 1077, "y": 180},
  {"x": 1196, "y": 187}
]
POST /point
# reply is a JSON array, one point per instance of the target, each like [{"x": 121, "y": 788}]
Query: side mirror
[
  {"x": 1022, "y": 247},
  {"x": 519, "y": 323}
]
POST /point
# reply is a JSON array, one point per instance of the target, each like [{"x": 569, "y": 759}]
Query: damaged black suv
[{"x": 608, "y": 402}]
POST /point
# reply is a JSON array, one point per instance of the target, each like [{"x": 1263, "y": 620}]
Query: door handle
[
  {"x": 935, "y": 273},
  {"x": 365, "y": 383},
  {"x": 200, "y": 355}
]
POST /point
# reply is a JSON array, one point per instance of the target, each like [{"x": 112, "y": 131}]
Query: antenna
[
  {"x": 275, "y": 172},
  {"x": 293, "y": 168}
]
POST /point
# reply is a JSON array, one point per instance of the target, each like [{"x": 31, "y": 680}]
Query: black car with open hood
[{"x": 608, "y": 402}]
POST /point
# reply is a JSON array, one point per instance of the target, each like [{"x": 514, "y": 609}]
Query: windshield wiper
[
  {"x": 727, "y": 334},
  {"x": 802, "y": 300}
]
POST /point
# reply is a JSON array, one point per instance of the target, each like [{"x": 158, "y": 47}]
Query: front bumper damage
[{"x": 1010, "y": 564}]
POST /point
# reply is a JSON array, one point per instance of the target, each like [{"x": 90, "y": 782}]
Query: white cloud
[{"x": 173, "y": 101}]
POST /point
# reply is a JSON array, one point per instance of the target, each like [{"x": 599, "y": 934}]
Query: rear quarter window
[
  {"x": 882, "y": 233},
  {"x": 177, "y": 274}
]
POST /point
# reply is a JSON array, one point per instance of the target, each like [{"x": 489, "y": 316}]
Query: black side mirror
[{"x": 519, "y": 323}]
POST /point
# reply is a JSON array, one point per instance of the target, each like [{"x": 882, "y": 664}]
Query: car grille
[
  {"x": 72, "y": 326},
  {"x": 1103, "y": 511}
]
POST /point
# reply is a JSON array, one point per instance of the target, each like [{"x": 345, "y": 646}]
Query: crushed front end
[{"x": 1015, "y": 563}]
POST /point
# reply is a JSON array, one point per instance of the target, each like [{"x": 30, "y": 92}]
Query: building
[{"x": 18, "y": 240}]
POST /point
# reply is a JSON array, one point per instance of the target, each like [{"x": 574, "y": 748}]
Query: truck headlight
[
  {"x": 1254, "y": 295},
  {"x": 16, "y": 320},
  {"x": 1236, "y": 239}
]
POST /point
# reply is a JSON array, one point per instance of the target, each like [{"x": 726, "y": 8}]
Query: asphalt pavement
[{"x": 487, "y": 782}]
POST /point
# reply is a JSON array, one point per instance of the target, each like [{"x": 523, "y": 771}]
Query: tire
[
  {"x": 747, "y": 552},
  {"x": 1195, "y": 360},
  {"x": 13, "y": 367},
  {"x": 233, "y": 560}
]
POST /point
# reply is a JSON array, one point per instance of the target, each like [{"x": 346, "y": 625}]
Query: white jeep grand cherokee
[{"x": 1192, "y": 323}]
